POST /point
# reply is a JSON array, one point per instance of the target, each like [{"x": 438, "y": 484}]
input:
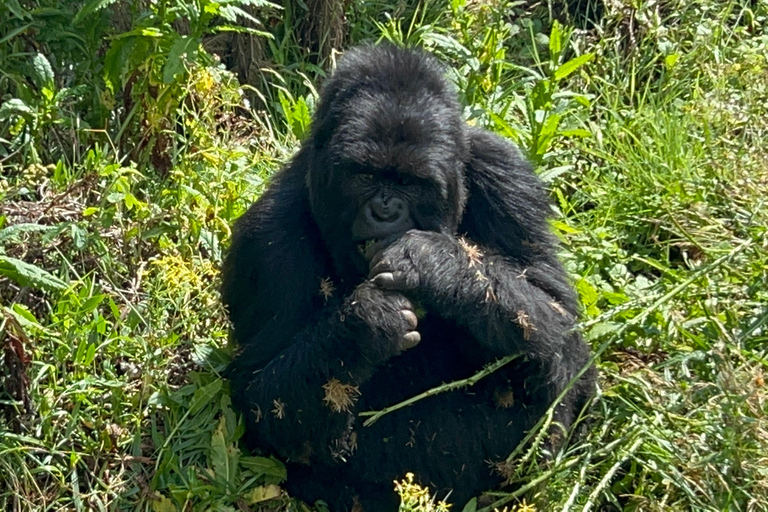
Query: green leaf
[
  {"x": 13, "y": 33},
  {"x": 615, "y": 298},
  {"x": 262, "y": 466},
  {"x": 512, "y": 132},
  {"x": 183, "y": 49},
  {"x": 565, "y": 228},
  {"x": 90, "y": 354},
  {"x": 670, "y": 60},
  {"x": 231, "y": 12},
  {"x": 224, "y": 456},
  {"x": 30, "y": 275},
  {"x": 301, "y": 118},
  {"x": 163, "y": 504},
  {"x": 547, "y": 132},
  {"x": 42, "y": 73},
  {"x": 14, "y": 231},
  {"x": 555, "y": 41},
  {"x": 17, "y": 10},
  {"x": 602, "y": 329},
  {"x": 572, "y": 65},
  {"x": 550, "y": 125},
  {"x": 578, "y": 132},
  {"x": 589, "y": 296},
  {"x": 582, "y": 100},
  {"x": 117, "y": 59},
  {"x": 242, "y": 30},
  {"x": 90, "y": 7},
  {"x": 24, "y": 315},
  {"x": 204, "y": 395},
  {"x": 541, "y": 95},
  {"x": 16, "y": 107},
  {"x": 92, "y": 303},
  {"x": 471, "y": 506},
  {"x": 262, "y": 493},
  {"x": 549, "y": 175}
]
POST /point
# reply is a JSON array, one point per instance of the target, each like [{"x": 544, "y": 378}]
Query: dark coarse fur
[{"x": 308, "y": 308}]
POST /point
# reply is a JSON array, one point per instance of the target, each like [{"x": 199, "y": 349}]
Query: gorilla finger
[
  {"x": 379, "y": 259},
  {"x": 379, "y": 265},
  {"x": 385, "y": 280},
  {"x": 410, "y": 318},
  {"x": 410, "y": 340},
  {"x": 402, "y": 303},
  {"x": 395, "y": 281}
]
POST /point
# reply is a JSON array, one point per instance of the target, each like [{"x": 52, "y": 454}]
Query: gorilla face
[
  {"x": 386, "y": 156},
  {"x": 385, "y": 206}
]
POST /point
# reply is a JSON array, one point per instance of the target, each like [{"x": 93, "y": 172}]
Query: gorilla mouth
[{"x": 369, "y": 248}]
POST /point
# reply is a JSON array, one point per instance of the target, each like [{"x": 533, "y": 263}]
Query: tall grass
[{"x": 112, "y": 331}]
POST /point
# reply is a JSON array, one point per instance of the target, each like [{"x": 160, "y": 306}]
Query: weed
[{"x": 126, "y": 152}]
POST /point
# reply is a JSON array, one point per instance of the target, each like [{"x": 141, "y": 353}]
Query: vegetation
[{"x": 127, "y": 149}]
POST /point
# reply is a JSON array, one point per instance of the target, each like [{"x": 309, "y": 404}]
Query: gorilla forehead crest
[{"x": 399, "y": 112}]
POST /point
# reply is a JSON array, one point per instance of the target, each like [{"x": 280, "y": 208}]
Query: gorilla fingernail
[
  {"x": 410, "y": 340},
  {"x": 410, "y": 317},
  {"x": 385, "y": 280}
]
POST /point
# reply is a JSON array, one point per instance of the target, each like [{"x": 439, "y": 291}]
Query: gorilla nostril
[{"x": 387, "y": 210}]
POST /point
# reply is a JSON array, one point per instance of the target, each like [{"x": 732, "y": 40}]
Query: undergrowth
[{"x": 127, "y": 150}]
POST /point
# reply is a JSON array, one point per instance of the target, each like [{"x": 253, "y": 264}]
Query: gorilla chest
[{"x": 444, "y": 354}]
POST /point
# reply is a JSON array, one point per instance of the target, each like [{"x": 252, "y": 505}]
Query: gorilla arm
[
  {"x": 293, "y": 345},
  {"x": 503, "y": 282},
  {"x": 302, "y": 402}
]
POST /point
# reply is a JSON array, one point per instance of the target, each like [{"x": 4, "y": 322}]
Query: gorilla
[{"x": 400, "y": 249}]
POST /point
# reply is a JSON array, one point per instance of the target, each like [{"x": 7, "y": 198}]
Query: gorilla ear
[{"x": 508, "y": 206}]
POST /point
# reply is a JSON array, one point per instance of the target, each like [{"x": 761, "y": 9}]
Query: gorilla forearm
[
  {"x": 503, "y": 303},
  {"x": 308, "y": 390},
  {"x": 285, "y": 399}
]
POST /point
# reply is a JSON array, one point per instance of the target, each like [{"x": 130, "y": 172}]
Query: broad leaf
[
  {"x": 262, "y": 493},
  {"x": 30, "y": 275},
  {"x": 572, "y": 65},
  {"x": 262, "y": 466},
  {"x": 204, "y": 395},
  {"x": 184, "y": 49},
  {"x": 224, "y": 457},
  {"x": 471, "y": 506},
  {"x": 90, "y": 7},
  {"x": 42, "y": 72},
  {"x": 16, "y": 107}
]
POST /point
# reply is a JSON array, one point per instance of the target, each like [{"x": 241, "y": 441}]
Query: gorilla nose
[{"x": 387, "y": 210}]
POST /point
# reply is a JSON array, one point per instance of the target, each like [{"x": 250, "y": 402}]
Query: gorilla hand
[
  {"x": 389, "y": 318},
  {"x": 413, "y": 261}
]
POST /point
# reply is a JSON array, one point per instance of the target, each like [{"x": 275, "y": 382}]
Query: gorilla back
[{"x": 393, "y": 202}]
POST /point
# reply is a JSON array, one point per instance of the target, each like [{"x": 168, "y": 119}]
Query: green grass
[{"x": 114, "y": 338}]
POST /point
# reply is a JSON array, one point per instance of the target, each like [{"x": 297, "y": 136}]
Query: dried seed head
[
  {"x": 524, "y": 321},
  {"x": 279, "y": 409},
  {"x": 474, "y": 253},
  {"x": 327, "y": 288},
  {"x": 504, "y": 398},
  {"x": 339, "y": 396}
]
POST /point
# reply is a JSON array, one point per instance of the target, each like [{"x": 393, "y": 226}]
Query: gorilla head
[{"x": 387, "y": 153}]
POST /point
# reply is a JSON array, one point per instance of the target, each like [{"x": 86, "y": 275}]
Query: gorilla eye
[
  {"x": 406, "y": 180},
  {"x": 365, "y": 177}
]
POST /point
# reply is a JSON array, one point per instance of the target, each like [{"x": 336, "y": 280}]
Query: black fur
[{"x": 390, "y": 113}]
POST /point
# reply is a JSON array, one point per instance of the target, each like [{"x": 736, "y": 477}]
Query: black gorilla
[{"x": 395, "y": 202}]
